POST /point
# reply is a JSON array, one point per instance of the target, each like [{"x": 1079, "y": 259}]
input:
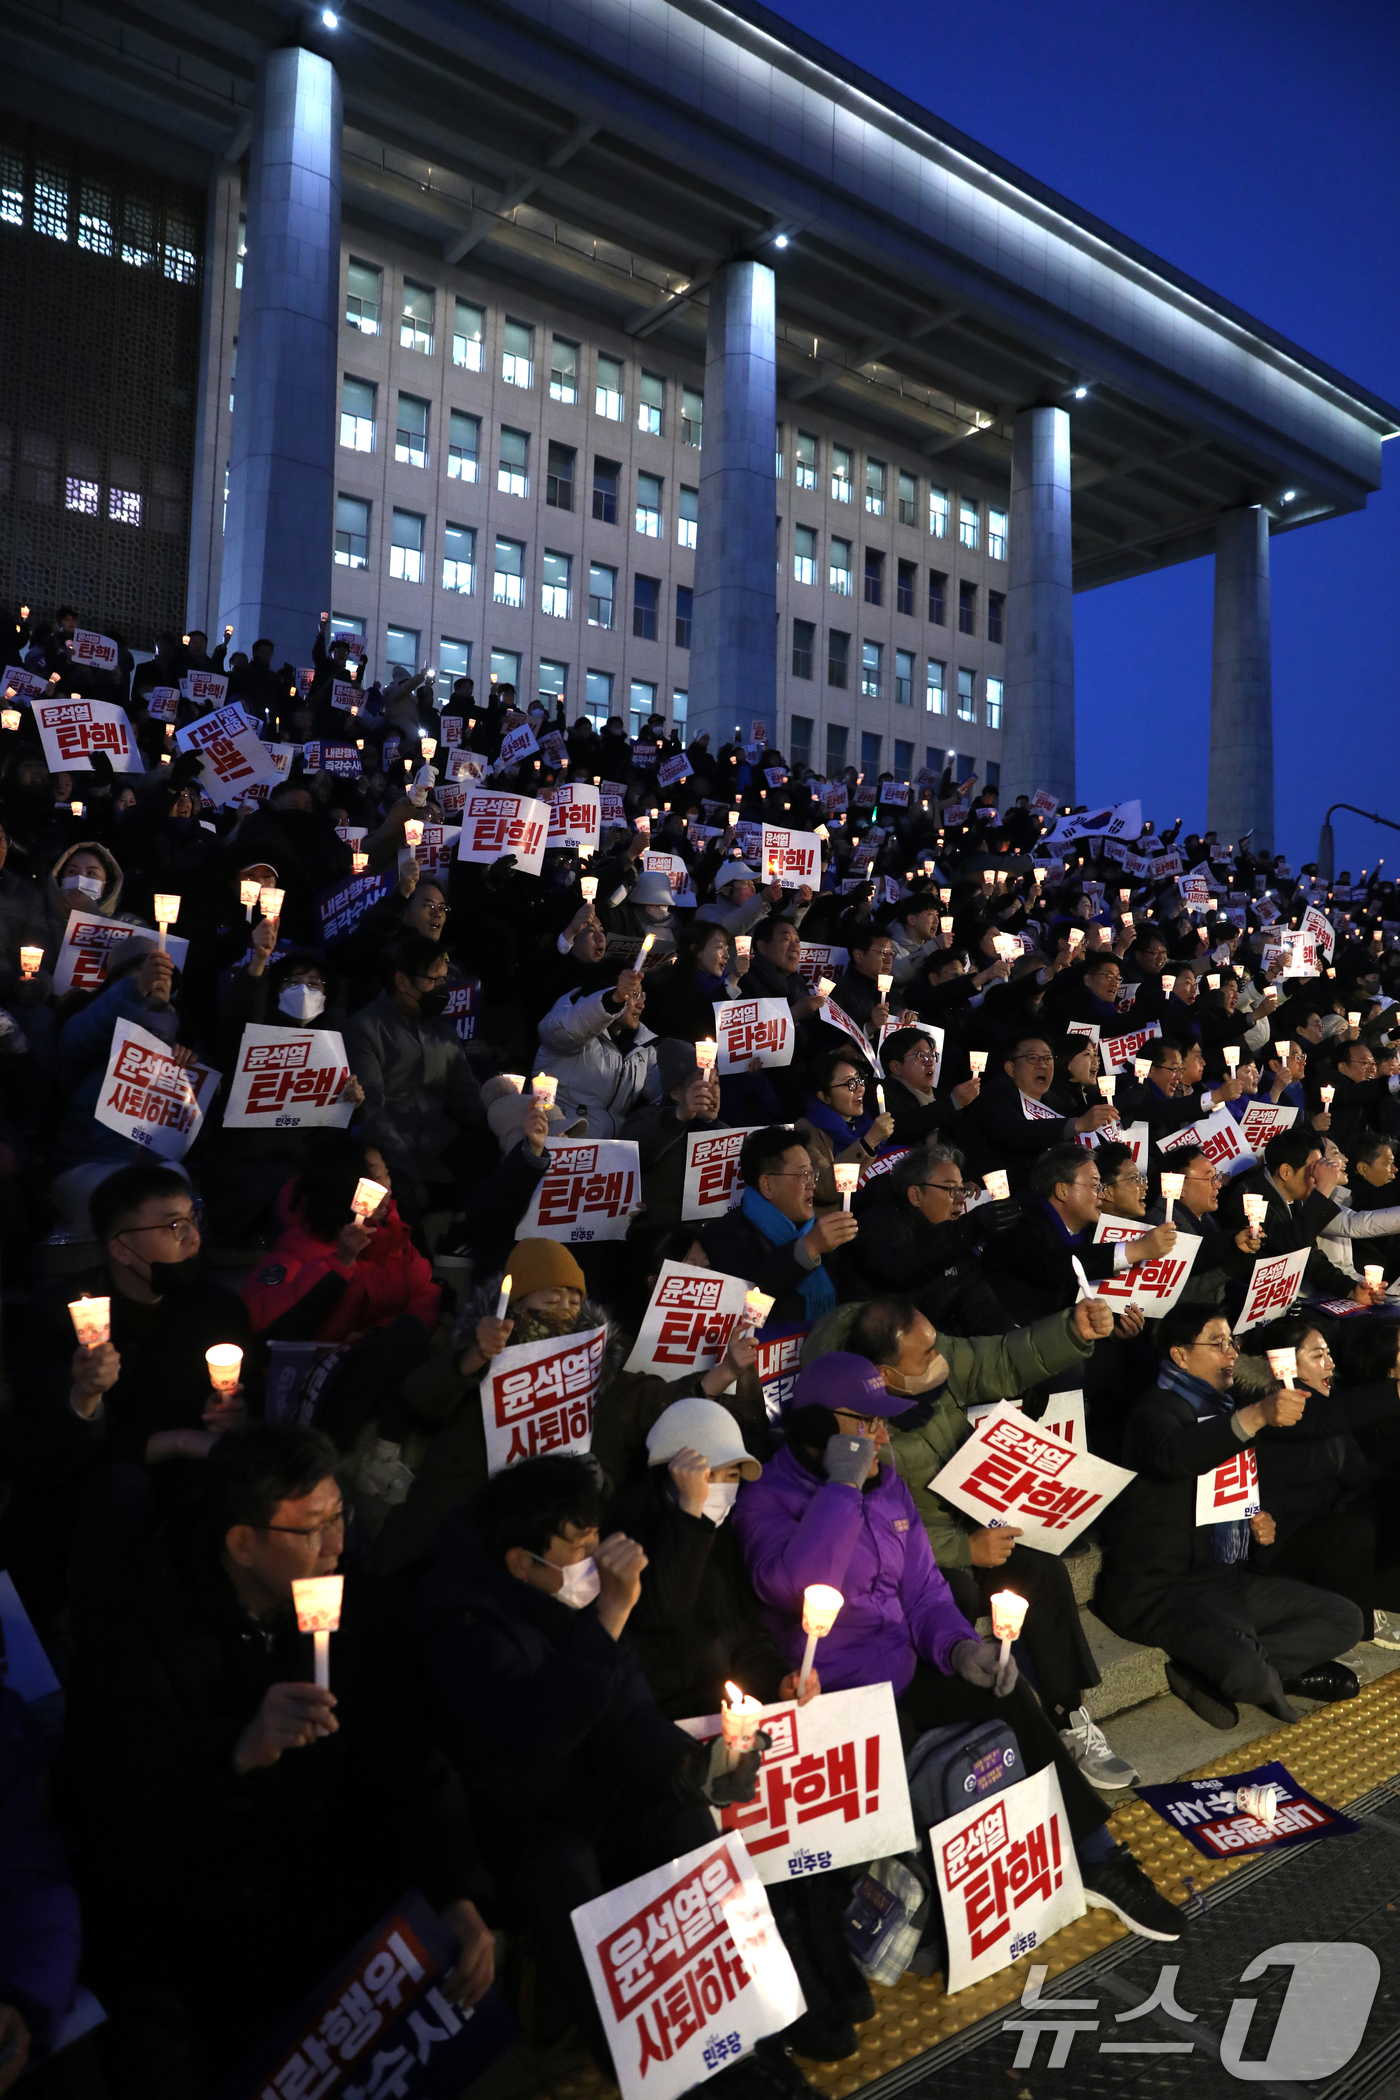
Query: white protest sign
[
  {"x": 27, "y": 685},
  {"x": 1318, "y": 927},
  {"x": 538, "y": 1397},
  {"x": 819, "y": 960},
  {"x": 1007, "y": 1877},
  {"x": 573, "y": 817},
  {"x": 832, "y": 1791},
  {"x": 677, "y": 768},
  {"x": 235, "y": 759},
  {"x": 712, "y": 1182},
  {"x": 345, "y": 695},
  {"x": 1218, "y": 1137},
  {"x": 1044, "y": 803},
  {"x": 88, "y": 943},
  {"x": 1119, "y": 1050},
  {"x": 793, "y": 857},
  {"x": 163, "y": 702},
  {"x": 147, "y": 1097},
  {"x": 1064, "y": 1418},
  {"x": 611, "y": 804},
  {"x": 746, "y": 1029},
  {"x": 1153, "y": 1285},
  {"x": 1229, "y": 1492},
  {"x": 1089, "y": 1028},
  {"x": 674, "y": 868},
  {"x": 288, "y": 1079},
  {"x": 1274, "y": 1284},
  {"x": 493, "y": 824},
  {"x": 927, "y": 1028},
  {"x": 1263, "y": 1120},
  {"x": 1011, "y": 1472},
  {"x": 689, "y": 1323},
  {"x": 96, "y": 649},
  {"x": 517, "y": 744},
  {"x": 553, "y": 748},
  {"x": 837, "y": 1018},
  {"x": 208, "y": 688},
  {"x": 1195, "y": 892},
  {"x": 688, "y": 1969},
  {"x": 71, "y": 730},
  {"x": 589, "y": 1192},
  {"x": 897, "y": 793}
]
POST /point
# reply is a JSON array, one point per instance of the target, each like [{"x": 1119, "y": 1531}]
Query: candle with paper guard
[
  {"x": 544, "y": 1086},
  {"x": 977, "y": 1059},
  {"x": 358, "y": 862},
  {"x": 1329, "y": 1095},
  {"x": 9, "y": 718},
  {"x": 1284, "y": 1365},
  {"x": 167, "y": 912},
  {"x": 826, "y": 986},
  {"x": 1008, "y": 1615},
  {"x": 743, "y": 944},
  {"x": 1353, "y": 1020},
  {"x": 429, "y": 746},
  {"x": 29, "y": 961},
  {"x": 1167, "y": 983},
  {"x": 820, "y": 1604},
  {"x": 1255, "y": 1210},
  {"x": 270, "y": 900},
  {"x": 757, "y": 1306},
  {"x": 847, "y": 1176},
  {"x": 945, "y": 926},
  {"x": 413, "y": 833},
  {"x": 705, "y": 1055},
  {"x": 1172, "y": 1185},
  {"x": 503, "y": 1299},
  {"x": 248, "y": 895},
  {"x": 225, "y": 1362},
  {"x": 92, "y": 1320},
  {"x": 997, "y": 1183},
  {"x": 1141, "y": 1067},
  {"x": 885, "y": 983},
  {"x": 367, "y": 1198},
  {"x": 739, "y": 1718},
  {"x": 1231, "y": 1055},
  {"x": 514, "y": 1080},
  {"x": 317, "y": 1599},
  {"x": 1108, "y": 1083},
  {"x": 1374, "y": 1274},
  {"x": 588, "y": 884}
]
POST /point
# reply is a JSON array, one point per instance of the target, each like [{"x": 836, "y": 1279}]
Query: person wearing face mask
[
  {"x": 86, "y": 878},
  {"x": 306, "y": 851}
]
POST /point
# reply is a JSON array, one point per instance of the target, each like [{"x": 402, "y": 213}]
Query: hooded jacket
[
  {"x": 597, "y": 1078},
  {"x": 60, "y": 904},
  {"x": 389, "y": 1279}
]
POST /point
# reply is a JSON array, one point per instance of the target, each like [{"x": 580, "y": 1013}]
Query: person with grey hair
[{"x": 915, "y": 1238}]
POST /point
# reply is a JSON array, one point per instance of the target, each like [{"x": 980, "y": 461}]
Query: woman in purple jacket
[{"x": 829, "y": 1509}]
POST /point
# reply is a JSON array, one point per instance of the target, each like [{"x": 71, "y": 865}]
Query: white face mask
[
  {"x": 581, "y": 1581},
  {"x": 85, "y": 885},
  {"x": 720, "y": 1499},
  {"x": 301, "y": 1002}
]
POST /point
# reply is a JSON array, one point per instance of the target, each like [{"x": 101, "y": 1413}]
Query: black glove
[
  {"x": 992, "y": 1217},
  {"x": 185, "y": 769},
  {"x": 500, "y": 871},
  {"x": 705, "y": 1772},
  {"x": 102, "y": 770}
]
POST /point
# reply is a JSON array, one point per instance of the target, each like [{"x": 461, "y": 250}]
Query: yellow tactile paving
[{"x": 1338, "y": 1753}]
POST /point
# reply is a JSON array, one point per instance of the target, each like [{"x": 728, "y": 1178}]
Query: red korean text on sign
[
  {"x": 673, "y": 1967},
  {"x": 995, "y": 1877},
  {"x": 283, "y": 1076},
  {"x": 548, "y": 1405},
  {"x": 794, "y": 1789},
  {"x": 78, "y": 731},
  {"x": 152, "y": 1090},
  {"x": 393, "y": 1975},
  {"x": 692, "y": 1324},
  {"x": 1020, "y": 1472},
  {"x": 573, "y": 1189}
]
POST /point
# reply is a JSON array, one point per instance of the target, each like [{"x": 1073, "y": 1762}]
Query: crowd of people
[{"x": 518, "y": 1645}]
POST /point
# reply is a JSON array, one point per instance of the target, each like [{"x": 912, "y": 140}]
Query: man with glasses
[
  {"x": 1220, "y": 1258},
  {"x": 915, "y": 1239},
  {"x": 1232, "y": 1635},
  {"x": 1011, "y": 1124},
  {"x": 1036, "y": 1267},
  {"x": 242, "y": 1827},
  {"x": 910, "y": 1058},
  {"x": 857, "y": 990},
  {"x": 773, "y": 1237},
  {"x": 1365, "y": 1097}
]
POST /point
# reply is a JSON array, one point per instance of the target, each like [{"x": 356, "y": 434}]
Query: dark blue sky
[{"x": 1255, "y": 144}]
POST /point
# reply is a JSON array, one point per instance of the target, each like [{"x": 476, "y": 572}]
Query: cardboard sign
[
  {"x": 147, "y": 1097},
  {"x": 778, "y": 1362},
  {"x": 713, "y": 1183},
  {"x": 834, "y": 1015},
  {"x": 1014, "y": 1472},
  {"x": 493, "y": 824},
  {"x": 99, "y": 650},
  {"x": 515, "y": 745},
  {"x": 794, "y": 858},
  {"x": 1275, "y": 1283},
  {"x": 19, "y": 684},
  {"x": 1263, "y": 1120},
  {"x": 1153, "y": 1285},
  {"x": 1007, "y": 1877},
  {"x": 538, "y": 1397},
  {"x": 589, "y": 1193},
  {"x": 1117, "y": 1051},
  {"x": 1208, "y": 1815},
  {"x": 677, "y": 873},
  {"x": 612, "y": 805},
  {"x": 819, "y": 960},
  {"x": 1230, "y": 1491},
  {"x": 344, "y": 904},
  {"x": 573, "y": 817},
  {"x": 746, "y": 1029},
  {"x": 71, "y": 730},
  {"x": 832, "y": 1792},
  {"x": 1219, "y": 1138},
  {"x": 235, "y": 758},
  {"x": 687, "y": 1968},
  {"x": 162, "y": 702},
  {"x": 677, "y": 768},
  {"x": 345, "y": 695},
  {"x": 1044, "y": 803},
  {"x": 88, "y": 944},
  {"x": 689, "y": 1323},
  {"x": 1319, "y": 930},
  {"x": 288, "y": 1079}
]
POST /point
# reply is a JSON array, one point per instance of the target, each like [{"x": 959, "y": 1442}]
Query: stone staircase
[{"x": 1131, "y": 1675}]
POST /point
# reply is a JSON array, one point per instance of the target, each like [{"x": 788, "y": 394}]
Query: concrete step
[
  {"x": 1130, "y": 1674},
  {"x": 1084, "y": 1561}
]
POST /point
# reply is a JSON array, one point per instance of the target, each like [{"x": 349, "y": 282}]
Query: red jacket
[{"x": 390, "y": 1278}]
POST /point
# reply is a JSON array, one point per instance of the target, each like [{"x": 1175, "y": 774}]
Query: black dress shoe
[
  {"x": 1202, "y": 1697},
  {"x": 1325, "y": 1681}
]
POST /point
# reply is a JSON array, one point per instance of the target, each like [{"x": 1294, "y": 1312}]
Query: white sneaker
[
  {"x": 1387, "y": 1633},
  {"x": 1089, "y": 1747}
]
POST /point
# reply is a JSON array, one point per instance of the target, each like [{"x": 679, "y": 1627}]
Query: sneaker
[
  {"x": 1119, "y": 1884},
  {"x": 1387, "y": 1633},
  {"x": 1089, "y": 1747}
]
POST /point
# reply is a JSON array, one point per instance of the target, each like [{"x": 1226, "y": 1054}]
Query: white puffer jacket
[{"x": 595, "y": 1079}]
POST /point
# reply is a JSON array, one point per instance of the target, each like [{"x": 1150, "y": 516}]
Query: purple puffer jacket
[{"x": 872, "y": 1546}]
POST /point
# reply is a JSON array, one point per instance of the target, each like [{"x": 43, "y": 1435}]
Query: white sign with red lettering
[
  {"x": 1153, "y": 1285},
  {"x": 147, "y": 1097},
  {"x": 834, "y": 1015},
  {"x": 345, "y": 695},
  {"x": 288, "y": 1079},
  {"x": 1063, "y": 1417},
  {"x": 1013, "y": 1472},
  {"x": 88, "y": 943},
  {"x": 573, "y": 817},
  {"x": 71, "y": 730},
  {"x": 820, "y": 961},
  {"x": 1219, "y": 1137},
  {"x": 1229, "y": 1492},
  {"x": 1119, "y": 1050},
  {"x": 677, "y": 768},
  {"x": 96, "y": 649},
  {"x": 611, "y": 805},
  {"x": 688, "y": 1969},
  {"x": 746, "y": 1029},
  {"x": 1007, "y": 1877},
  {"x": 1275, "y": 1283},
  {"x": 207, "y": 688},
  {"x": 1319, "y": 930},
  {"x": 674, "y": 868},
  {"x": 832, "y": 1791},
  {"x": 538, "y": 1397},
  {"x": 1263, "y": 1120},
  {"x": 713, "y": 1183},
  {"x": 689, "y": 1323},
  {"x": 493, "y": 824},
  {"x": 1044, "y": 803},
  {"x": 235, "y": 759},
  {"x": 1195, "y": 892},
  {"x": 519, "y": 743},
  {"x": 26, "y": 684},
  {"x": 163, "y": 702},
  {"x": 791, "y": 857},
  {"x": 589, "y": 1193}
]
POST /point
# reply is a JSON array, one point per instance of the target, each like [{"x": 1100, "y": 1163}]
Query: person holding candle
[
  {"x": 857, "y": 990},
  {"x": 775, "y": 972},
  {"x": 1298, "y": 1184},
  {"x": 836, "y": 1125},
  {"x": 690, "y": 1103},
  {"x": 1011, "y": 1124},
  {"x": 681, "y": 995},
  {"x": 772, "y": 1237},
  {"x": 916, "y": 1238},
  {"x": 1034, "y": 1267},
  {"x": 908, "y": 1058},
  {"x": 1367, "y": 1095},
  {"x": 588, "y": 1041}
]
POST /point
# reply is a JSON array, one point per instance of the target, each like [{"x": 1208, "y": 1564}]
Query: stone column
[
  {"x": 1037, "y": 737},
  {"x": 279, "y": 527},
  {"x": 218, "y": 329},
  {"x": 733, "y": 657},
  {"x": 1240, "y": 797}
]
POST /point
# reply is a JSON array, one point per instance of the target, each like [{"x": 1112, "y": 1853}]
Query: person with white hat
[{"x": 739, "y": 904}]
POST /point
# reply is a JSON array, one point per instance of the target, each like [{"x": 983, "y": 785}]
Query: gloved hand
[
  {"x": 704, "y": 1773},
  {"x": 185, "y": 768},
  {"x": 500, "y": 871},
  {"x": 847, "y": 1459},
  {"x": 992, "y": 1217},
  {"x": 979, "y": 1662},
  {"x": 102, "y": 772}
]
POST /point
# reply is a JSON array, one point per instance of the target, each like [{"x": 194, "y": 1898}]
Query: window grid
[
  {"x": 935, "y": 688},
  {"x": 468, "y": 338},
  {"x": 997, "y": 522},
  {"x": 969, "y": 525}
]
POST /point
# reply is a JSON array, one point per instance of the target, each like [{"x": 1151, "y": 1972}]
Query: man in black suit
[
  {"x": 772, "y": 1237},
  {"x": 1297, "y": 1182},
  {"x": 1011, "y": 1124},
  {"x": 1172, "y": 1583},
  {"x": 1031, "y": 1267}
]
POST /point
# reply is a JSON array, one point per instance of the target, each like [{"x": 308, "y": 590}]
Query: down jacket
[
  {"x": 389, "y": 1279},
  {"x": 597, "y": 1077}
]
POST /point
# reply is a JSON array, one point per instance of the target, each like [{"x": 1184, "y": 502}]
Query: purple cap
[{"x": 850, "y": 1383}]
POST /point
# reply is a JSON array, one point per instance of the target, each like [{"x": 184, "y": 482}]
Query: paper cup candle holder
[
  {"x": 997, "y": 1183},
  {"x": 225, "y": 1362},
  {"x": 740, "y": 1718},
  {"x": 1008, "y": 1616},
  {"x": 820, "y": 1605},
  {"x": 367, "y": 1198},
  {"x": 92, "y": 1320},
  {"x": 317, "y": 1599},
  {"x": 847, "y": 1176}
]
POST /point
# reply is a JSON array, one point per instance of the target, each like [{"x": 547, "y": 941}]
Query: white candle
[
  {"x": 270, "y": 900},
  {"x": 820, "y": 1604},
  {"x": 739, "y": 1718},
  {"x": 503, "y": 1299},
  {"x": 1284, "y": 1365},
  {"x": 826, "y": 986},
  {"x": 997, "y": 1183},
  {"x": 1328, "y": 1094},
  {"x": 92, "y": 1320},
  {"x": 9, "y": 718},
  {"x": 248, "y": 894},
  {"x": 167, "y": 912},
  {"x": 885, "y": 984},
  {"x": 705, "y": 1055},
  {"x": 757, "y": 1306},
  {"x": 847, "y": 1179},
  {"x": 1375, "y": 1275},
  {"x": 1107, "y": 1084},
  {"x": 1231, "y": 1055},
  {"x": 1172, "y": 1185},
  {"x": 743, "y": 945},
  {"x": 1008, "y": 1615},
  {"x": 413, "y": 832},
  {"x": 589, "y": 886},
  {"x": 1213, "y": 980},
  {"x": 1353, "y": 1020},
  {"x": 1167, "y": 983},
  {"x": 1141, "y": 1068},
  {"x": 515, "y": 1081},
  {"x": 359, "y": 862},
  {"x": 225, "y": 1362},
  {"x": 544, "y": 1086},
  {"x": 1255, "y": 1210},
  {"x": 648, "y": 943},
  {"x": 29, "y": 961},
  {"x": 945, "y": 924},
  {"x": 318, "y": 1599},
  {"x": 429, "y": 746}
]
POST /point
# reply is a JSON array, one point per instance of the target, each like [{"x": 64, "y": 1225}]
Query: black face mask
[
  {"x": 433, "y": 1005},
  {"x": 171, "y": 1279}
]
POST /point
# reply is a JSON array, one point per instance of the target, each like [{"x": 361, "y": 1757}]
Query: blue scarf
[
  {"x": 1231, "y": 1541},
  {"x": 818, "y": 1290},
  {"x": 841, "y": 1133}
]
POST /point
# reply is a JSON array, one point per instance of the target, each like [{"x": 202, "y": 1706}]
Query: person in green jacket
[{"x": 945, "y": 1374}]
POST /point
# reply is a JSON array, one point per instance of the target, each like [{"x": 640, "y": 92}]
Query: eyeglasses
[
  {"x": 1229, "y": 1347},
  {"x": 1032, "y": 1057},
  {"x": 315, "y": 1531},
  {"x": 802, "y": 1174},
  {"x": 866, "y": 1424},
  {"x": 179, "y": 1229},
  {"x": 1130, "y": 1174},
  {"x": 853, "y": 1086}
]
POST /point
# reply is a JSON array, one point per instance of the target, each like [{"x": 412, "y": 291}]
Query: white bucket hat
[{"x": 703, "y": 1426}]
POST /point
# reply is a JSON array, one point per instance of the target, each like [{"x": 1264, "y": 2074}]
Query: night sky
[{"x": 1254, "y": 144}]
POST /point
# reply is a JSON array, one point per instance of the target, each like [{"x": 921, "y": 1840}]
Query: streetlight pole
[{"x": 1327, "y": 845}]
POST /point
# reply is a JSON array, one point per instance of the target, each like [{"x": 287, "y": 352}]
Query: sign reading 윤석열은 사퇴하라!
[
  {"x": 149, "y": 1097},
  {"x": 539, "y": 1397}
]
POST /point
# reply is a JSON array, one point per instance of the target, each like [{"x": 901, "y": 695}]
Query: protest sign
[
  {"x": 746, "y": 1029},
  {"x": 898, "y": 794},
  {"x": 677, "y": 873},
  {"x": 297, "y": 1373},
  {"x": 820, "y": 960},
  {"x": 573, "y": 817},
  {"x": 1014, "y": 1472},
  {"x": 1089, "y": 1028},
  {"x": 677, "y": 768},
  {"x": 687, "y": 1968},
  {"x": 689, "y": 1323},
  {"x": 288, "y": 1079},
  {"x": 1230, "y": 1491},
  {"x": 778, "y": 1362},
  {"x": 1116, "y": 1051},
  {"x": 832, "y": 1791},
  {"x": 588, "y": 1194},
  {"x": 380, "y": 2018},
  {"x": 554, "y": 750},
  {"x": 147, "y": 1097},
  {"x": 234, "y": 757},
  {"x": 1263, "y": 1120},
  {"x": 345, "y": 695},
  {"x": 775, "y": 776},
  {"x": 515, "y": 745},
  {"x": 1007, "y": 1877},
  {"x": 17, "y": 683},
  {"x": 1209, "y": 1814},
  {"x": 833, "y": 1015},
  {"x": 1063, "y": 1417},
  {"x": 887, "y": 1161},
  {"x": 344, "y": 904},
  {"x": 1218, "y": 1137},
  {"x": 538, "y": 1397},
  {"x": 205, "y": 688},
  {"x": 935, "y": 1036},
  {"x": 1318, "y": 928},
  {"x": 99, "y": 650},
  {"x": 749, "y": 839},
  {"x": 712, "y": 1180},
  {"x": 86, "y": 951},
  {"x": 793, "y": 857},
  {"x": 452, "y": 800},
  {"x": 1044, "y": 803},
  {"x": 1274, "y": 1284},
  {"x": 71, "y": 730},
  {"x": 612, "y": 808},
  {"x": 435, "y": 851},
  {"x": 1155, "y": 1286},
  {"x": 163, "y": 702},
  {"x": 955, "y": 814},
  {"x": 835, "y": 798},
  {"x": 494, "y": 823},
  {"x": 463, "y": 1008},
  {"x": 341, "y": 759},
  {"x": 1194, "y": 891},
  {"x": 306, "y": 678}
]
